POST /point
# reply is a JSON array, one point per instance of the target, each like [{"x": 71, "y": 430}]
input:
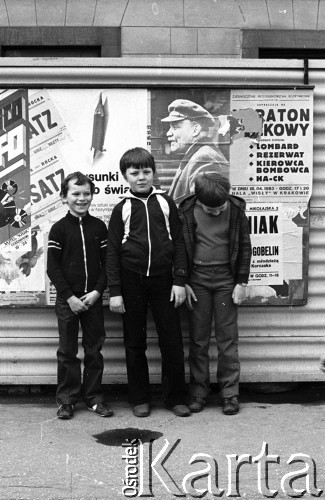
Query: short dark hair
[
  {"x": 81, "y": 179},
  {"x": 212, "y": 189},
  {"x": 137, "y": 158}
]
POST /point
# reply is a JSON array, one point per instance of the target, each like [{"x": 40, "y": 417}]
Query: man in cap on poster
[{"x": 188, "y": 134}]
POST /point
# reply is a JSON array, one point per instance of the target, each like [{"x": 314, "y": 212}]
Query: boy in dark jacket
[
  {"x": 146, "y": 265},
  {"x": 76, "y": 267},
  {"x": 218, "y": 246}
]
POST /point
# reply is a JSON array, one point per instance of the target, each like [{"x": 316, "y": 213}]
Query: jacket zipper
[
  {"x": 149, "y": 238},
  {"x": 148, "y": 230},
  {"x": 84, "y": 253}
]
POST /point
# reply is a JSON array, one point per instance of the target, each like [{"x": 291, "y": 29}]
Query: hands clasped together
[{"x": 80, "y": 305}]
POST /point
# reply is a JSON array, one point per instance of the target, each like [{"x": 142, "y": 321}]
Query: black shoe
[
  {"x": 141, "y": 410},
  {"x": 230, "y": 405},
  {"x": 101, "y": 409},
  {"x": 196, "y": 404},
  {"x": 181, "y": 410},
  {"x": 65, "y": 411}
]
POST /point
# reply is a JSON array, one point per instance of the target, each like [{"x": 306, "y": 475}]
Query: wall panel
[{"x": 276, "y": 343}]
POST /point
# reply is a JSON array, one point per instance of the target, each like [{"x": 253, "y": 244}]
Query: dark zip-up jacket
[
  {"x": 76, "y": 255},
  {"x": 145, "y": 236},
  {"x": 240, "y": 249}
]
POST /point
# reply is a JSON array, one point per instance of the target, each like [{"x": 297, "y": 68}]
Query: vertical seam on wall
[
  {"x": 7, "y": 12},
  {"x": 95, "y": 10},
  {"x": 268, "y": 13},
  {"x": 241, "y": 11},
  {"x": 35, "y": 12},
  {"x": 65, "y": 14},
  {"x": 197, "y": 41},
  {"x": 318, "y": 7},
  {"x": 126, "y": 6}
]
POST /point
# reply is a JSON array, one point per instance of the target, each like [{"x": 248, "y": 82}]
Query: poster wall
[
  {"x": 260, "y": 139},
  {"x": 45, "y": 135}
]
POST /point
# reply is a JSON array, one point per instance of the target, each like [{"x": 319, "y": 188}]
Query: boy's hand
[
  {"x": 76, "y": 305},
  {"x": 190, "y": 295},
  {"x": 90, "y": 298},
  {"x": 116, "y": 304},
  {"x": 177, "y": 293},
  {"x": 238, "y": 294}
]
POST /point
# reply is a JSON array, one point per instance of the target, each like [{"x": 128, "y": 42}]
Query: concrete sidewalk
[{"x": 42, "y": 457}]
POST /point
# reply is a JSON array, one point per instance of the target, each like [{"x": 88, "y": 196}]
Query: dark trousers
[
  {"x": 70, "y": 389},
  {"x": 138, "y": 293},
  {"x": 213, "y": 287}
]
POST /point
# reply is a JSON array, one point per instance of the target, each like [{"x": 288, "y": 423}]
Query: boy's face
[
  {"x": 140, "y": 179},
  {"x": 215, "y": 211},
  {"x": 78, "y": 198}
]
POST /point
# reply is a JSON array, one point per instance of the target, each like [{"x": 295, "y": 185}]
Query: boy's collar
[
  {"x": 74, "y": 218},
  {"x": 189, "y": 202},
  {"x": 142, "y": 195},
  {"x": 154, "y": 190}
]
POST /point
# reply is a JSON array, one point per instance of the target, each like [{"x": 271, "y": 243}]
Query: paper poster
[
  {"x": 45, "y": 135},
  {"x": 14, "y": 170},
  {"x": 262, "y": 141},
  {"x": 47, "y": 129},
  {"x": 271, "y": 153},
  {"x": 265, "y": 223},
  {"x": 24, "y": 270},
  {"x": 101, "y": 126},
  {"x": 47, "y": 173}
]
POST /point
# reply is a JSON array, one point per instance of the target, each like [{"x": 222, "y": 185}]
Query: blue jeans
[
  {"x": 139, "y": 292},
  {"x": 70, "y": 389},
  {"x": 213, "y": 287}
]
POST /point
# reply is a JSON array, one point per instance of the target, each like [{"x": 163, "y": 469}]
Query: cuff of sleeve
[
  {"x": 99, "y": 289},
  {"x": 242, "y": 278},
  {"x": 66, "y": 294},
  {"x": 115, "y": 291},
  {"x": 179, "y": 280}
]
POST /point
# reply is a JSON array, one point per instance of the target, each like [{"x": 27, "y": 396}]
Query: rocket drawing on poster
[{"x": 101, "y": 116}]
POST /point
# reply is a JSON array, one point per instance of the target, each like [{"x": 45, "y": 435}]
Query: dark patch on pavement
[{"x": 116, "y": 437}]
